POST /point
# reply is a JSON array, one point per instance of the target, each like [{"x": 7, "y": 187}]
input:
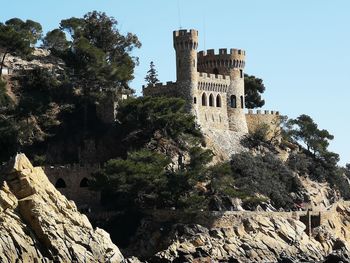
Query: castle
[{"x": 212, "y": 85}]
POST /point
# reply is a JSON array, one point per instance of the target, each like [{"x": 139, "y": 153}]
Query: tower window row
[{"x": 212, "y": 102}]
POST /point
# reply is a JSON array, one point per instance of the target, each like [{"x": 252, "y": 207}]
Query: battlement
[
  {"x": 223, "y": 59},
  {"x": 264, "y": 112},
  {"x": 222, "y": 51},
  {"x": 159, "y": 85},
  {"x": 184, "y": 32},
  {"x": 204, "y": 75},
  {"x": 160, "y": 89}
]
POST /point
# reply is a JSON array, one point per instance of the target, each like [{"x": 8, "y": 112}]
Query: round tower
[
  {"x": 235, "y": 93},
  {"x": 230, "y": 63},
  {"x": 185, "y": 44}
]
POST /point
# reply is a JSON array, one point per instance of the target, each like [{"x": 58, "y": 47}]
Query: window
[
  {"x": 242, "y": 102},
  {"x": 84, "y": 182},
  {"x": 194, "y": 100},
  {"x": 241, "y": 73},
  {"x": 211, "y": 100},
  {"x": 233, "y": 101},
  {"x": 218, "y": 101},
  {"x": 60, "y": 183},
  {"x": 215, "y": 71},
  {"x": 204, "y": 99}
]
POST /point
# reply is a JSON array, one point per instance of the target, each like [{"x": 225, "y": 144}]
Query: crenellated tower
[
  {"x": 228, "y": 62},
  {"x": 186, "y": 44}
]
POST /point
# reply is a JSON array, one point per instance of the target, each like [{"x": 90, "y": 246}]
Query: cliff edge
[{"x": 37, "y": 222}]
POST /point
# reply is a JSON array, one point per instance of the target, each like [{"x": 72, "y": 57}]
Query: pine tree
[{"x": 151, "y": 77}]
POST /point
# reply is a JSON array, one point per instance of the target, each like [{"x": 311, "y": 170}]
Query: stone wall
[
  {"x": 210, "y": 97},
  {"x": 73, "y": 182},
  {"x": 168, "y": 89},
  {"x": 258, "y": 119}
]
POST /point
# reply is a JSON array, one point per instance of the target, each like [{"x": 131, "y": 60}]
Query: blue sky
[{"x": 301, "y": 49}]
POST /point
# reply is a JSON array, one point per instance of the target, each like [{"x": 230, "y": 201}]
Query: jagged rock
[
  {"x": 37, "y": 222},
  {"x": 249, "y": 236}
]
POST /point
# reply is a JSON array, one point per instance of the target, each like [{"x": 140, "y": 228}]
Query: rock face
[
  {"x": 38, "y": 223},
  {"x": 247, "y": 237}
]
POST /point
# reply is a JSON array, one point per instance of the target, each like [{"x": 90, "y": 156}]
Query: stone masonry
[{"x": 213, "y": 86}]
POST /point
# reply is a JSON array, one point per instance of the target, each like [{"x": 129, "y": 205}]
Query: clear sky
[{"x": 300, "y": 48}]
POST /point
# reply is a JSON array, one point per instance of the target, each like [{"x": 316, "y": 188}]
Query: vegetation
[
  {"x": 139, "y": 119},
  {"x": 60, "y": 105},
  {"x": 152, "y": 75},
  {"x": 18, "y": 37},
  {"x": 254, "y": 87}
]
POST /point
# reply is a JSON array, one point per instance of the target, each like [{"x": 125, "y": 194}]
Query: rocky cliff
[
  {"x": 247, "y": 236},
  {"x": 38, "y": 223}
]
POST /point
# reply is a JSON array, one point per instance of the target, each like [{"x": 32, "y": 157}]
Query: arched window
[
  {"x": 211, "y": 100},
  {"x": 218, "y": 101},
  {"x": 60, "y": 183},
  {"x": 242, "y": 102},
  {"x": 194, "y": 100},
  {"x": 215, "y": 71},
  {"x": 204, "y": 99},
  {"x": 84, "y": 182},
  {"x": 233, "y": 102}
]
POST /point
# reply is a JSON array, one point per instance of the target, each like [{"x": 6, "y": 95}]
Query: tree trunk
[{"x": 2, "y": 62}]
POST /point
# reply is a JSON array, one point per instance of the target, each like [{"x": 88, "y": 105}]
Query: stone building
[{"x": 213, "y": 86}]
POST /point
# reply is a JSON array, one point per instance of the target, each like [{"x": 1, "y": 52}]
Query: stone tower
[
  {"x": 229, "y": 63},
  {"x": 185, "y": 44}
]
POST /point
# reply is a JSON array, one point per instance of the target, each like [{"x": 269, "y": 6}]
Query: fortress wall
[
  {"x": 72, "y": 175},
  {"x": 259, "y": 118},
  {"x": 168, "y": 89}
]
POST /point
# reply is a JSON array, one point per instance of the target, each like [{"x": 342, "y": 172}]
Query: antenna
[
  {"x": 179, "y": 13},
  {"x": 204, "y": 33}
]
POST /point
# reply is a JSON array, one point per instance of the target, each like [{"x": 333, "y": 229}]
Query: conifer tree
[{"x": 152, "y": 74}]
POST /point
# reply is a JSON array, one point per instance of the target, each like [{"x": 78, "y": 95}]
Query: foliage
[
  {"x": 254, "y": 87},
  {"x": 306, "y": 131},
  {"x": 5, "y": 100},
  {"x": 138, "y": 119},
  {"x": 152, "y": 75},
  {"x": 56, "y": 41},
  {"x": 30, "y": 30},
  {"x": 99, "y": 53},
  {"x": 138, "y": 178},
  {"x": 8, "y": 138},
  {"x": 265, "y": 175},
  {"x": 320, "y": 170},
  {"x": 17, "y": 37}
]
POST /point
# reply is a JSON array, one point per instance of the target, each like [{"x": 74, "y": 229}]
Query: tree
[
  {"x": 306, "y": 131},
  {"x": 138, "y": 119},
  {"x": 254, "y": 87},
  {"x": 151, "y": 77},
  {"x": 56, "y": 41},
  {"x": 30, "y": 30},
  {"x": 99, "y": 53}
]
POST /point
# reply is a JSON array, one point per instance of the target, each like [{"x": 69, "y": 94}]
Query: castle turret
[
  {"x": 230, "y": 63},
  {"x": 185, "y": 44}
]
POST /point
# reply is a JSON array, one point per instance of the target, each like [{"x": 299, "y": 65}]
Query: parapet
[
  {"x": 159, "y": 89},
  {"x": 159, "y": 85},
  {"x": 223, "y": 59},
  {"x": 204, "y": 75},
  {"x": 222, "y": 51},
  {"x": 265, "y": 112},
  {"x": 185, "y": 33}
]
